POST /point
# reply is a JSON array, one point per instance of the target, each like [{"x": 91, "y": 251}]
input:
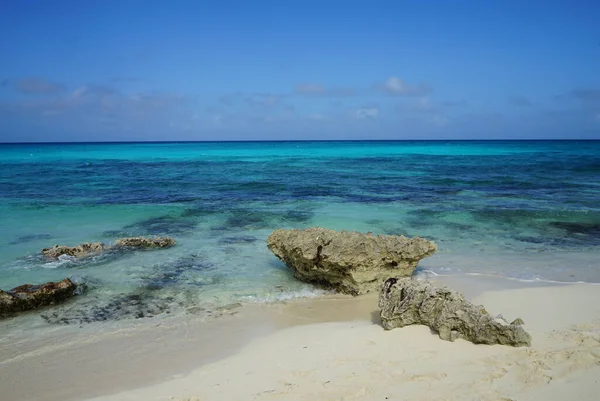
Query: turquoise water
[{"x": 523, "y": 210}]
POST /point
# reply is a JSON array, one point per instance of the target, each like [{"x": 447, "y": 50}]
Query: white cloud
[
  {"x": 396, "y": 86},
  {"x": 367, "y": 113},
  {"x": 423, "y": 104}
]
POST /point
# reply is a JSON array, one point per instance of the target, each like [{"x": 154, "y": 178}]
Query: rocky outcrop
[
  {"x": 80, "y": 251},
  {"x": 145, "y": 242},
  {"x": 405, "y": 301},
  {"x": 95, "y": 248},
  {"x": 349, "y": 262},
  {"x": 27, "y": 297}
]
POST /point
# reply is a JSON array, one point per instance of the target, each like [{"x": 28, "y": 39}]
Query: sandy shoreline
[{"x": 330, "y": 348}]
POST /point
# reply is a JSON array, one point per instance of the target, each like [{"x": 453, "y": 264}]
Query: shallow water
[{"x": 524, "y": 210}]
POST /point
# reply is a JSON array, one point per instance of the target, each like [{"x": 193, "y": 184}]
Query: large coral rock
[
  {"x": 79, "y": 251},
  {"x": 405, "y": 301},
  {"x": 349, "y": 262},
  {"x": 27, "y": 296},
  {"x": 145, "y": 242}
]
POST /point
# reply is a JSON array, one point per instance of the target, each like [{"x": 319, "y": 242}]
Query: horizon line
[{"x": 297, "y": 140}]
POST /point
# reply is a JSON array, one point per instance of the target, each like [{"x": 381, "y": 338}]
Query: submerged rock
[
  {"x": 404, "y": 301},
  {"x": 237, "y": 240},
  {"x": 95, "y": 248},
  {"x": 79, "y": 251},
  {"x": 349, "y": 262},
  {"x": 161, "y": 225},
  {"x": 145, "y": 242},
  {"x": 29, "y": 238},
  {"x": 123, "y": 306},
  {"x": 27, "y": 297}
]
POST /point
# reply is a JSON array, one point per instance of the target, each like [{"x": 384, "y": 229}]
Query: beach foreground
[{"x": 327, "y": 349}]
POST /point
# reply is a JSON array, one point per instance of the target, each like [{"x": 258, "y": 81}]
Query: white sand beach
[{"x": 324, "y": 349}]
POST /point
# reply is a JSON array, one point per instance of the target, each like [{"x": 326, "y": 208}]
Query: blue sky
[{"x": 229, "y": 70}]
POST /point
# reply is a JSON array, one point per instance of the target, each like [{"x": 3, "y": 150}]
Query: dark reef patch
[
  {"x": 591, "y": 229},
  {"x": 205, "y": 209},
  {"x": 298, "y": 216},
  {"x": 164, "y": 288},
  {"x": 247, "y": 218},
  {"x": 237, "y": 240},
  {"x": 161, "y": 225},
  {"x": 30, "y": 238},
  {"x": 124, "y": 306},
  {"x": 179, "y": 272},
  {"x": 530, "y": 239}
]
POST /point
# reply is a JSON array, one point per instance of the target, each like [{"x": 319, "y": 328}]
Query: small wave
[
  {"x": 540, "y": 280},
  {"x": 425, "y": 274},
  {"x": 62, "y": 261},
  {"x": 285, "y": 296},
  {"x": 531, "y": 280}
]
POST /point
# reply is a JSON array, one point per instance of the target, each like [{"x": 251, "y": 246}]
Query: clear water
[{"x": 524, "y": 210}]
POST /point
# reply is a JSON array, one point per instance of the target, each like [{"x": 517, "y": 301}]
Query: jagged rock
[
  {"x": 349, "y": 262},
  {"x": 79, "y": 251},
  {"x": 94, "y": 248},
  {"x": 404, "y": 301},
  {"x": 27, "y": 297},
  {"x": 145, "y": 242}
]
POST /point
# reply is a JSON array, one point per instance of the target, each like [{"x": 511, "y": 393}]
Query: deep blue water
[{"x": 522, "y": 209}]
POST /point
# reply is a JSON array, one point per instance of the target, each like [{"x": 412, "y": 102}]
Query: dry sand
[{"x": 325, "y": 349}]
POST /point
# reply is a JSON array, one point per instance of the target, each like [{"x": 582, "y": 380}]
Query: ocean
[{"x": 524, "y": 210}]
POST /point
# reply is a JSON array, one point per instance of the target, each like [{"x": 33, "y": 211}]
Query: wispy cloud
[
  {"x": 520, "y": 101},
  {"x": 99, "y": 102},
  {"x": 453, "y": 103},
  {"x": 254, "y": 99},
  {"x": 398, "y": 87},
  {"x": 440, "y": 120},
  {"x": 311, "y": 89},
  {"x": 424, "y": 104},
  {"x": 125, "y": 80},
  {"x": 37, "y": 86},
  {"x": 586, "y": 95},
  {"x": 393, "y": 86},
  {"x": 364, "y": 113},
  {"x": 427, "y": 105},
  {"x": 263, "y": 99},
  {"x": 317, "y": 117}
]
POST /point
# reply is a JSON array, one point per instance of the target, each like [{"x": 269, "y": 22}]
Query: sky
[{"x": 298, "y": 70}]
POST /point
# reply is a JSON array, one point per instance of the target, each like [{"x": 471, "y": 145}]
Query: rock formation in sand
[
  {"x": 348, "y": 262},
  {"x": 145, "y": 242},
  {"x": 27, "y": 297},
  {"x": 94, "y": 248},
  {"x": 405, "y": 301}
]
